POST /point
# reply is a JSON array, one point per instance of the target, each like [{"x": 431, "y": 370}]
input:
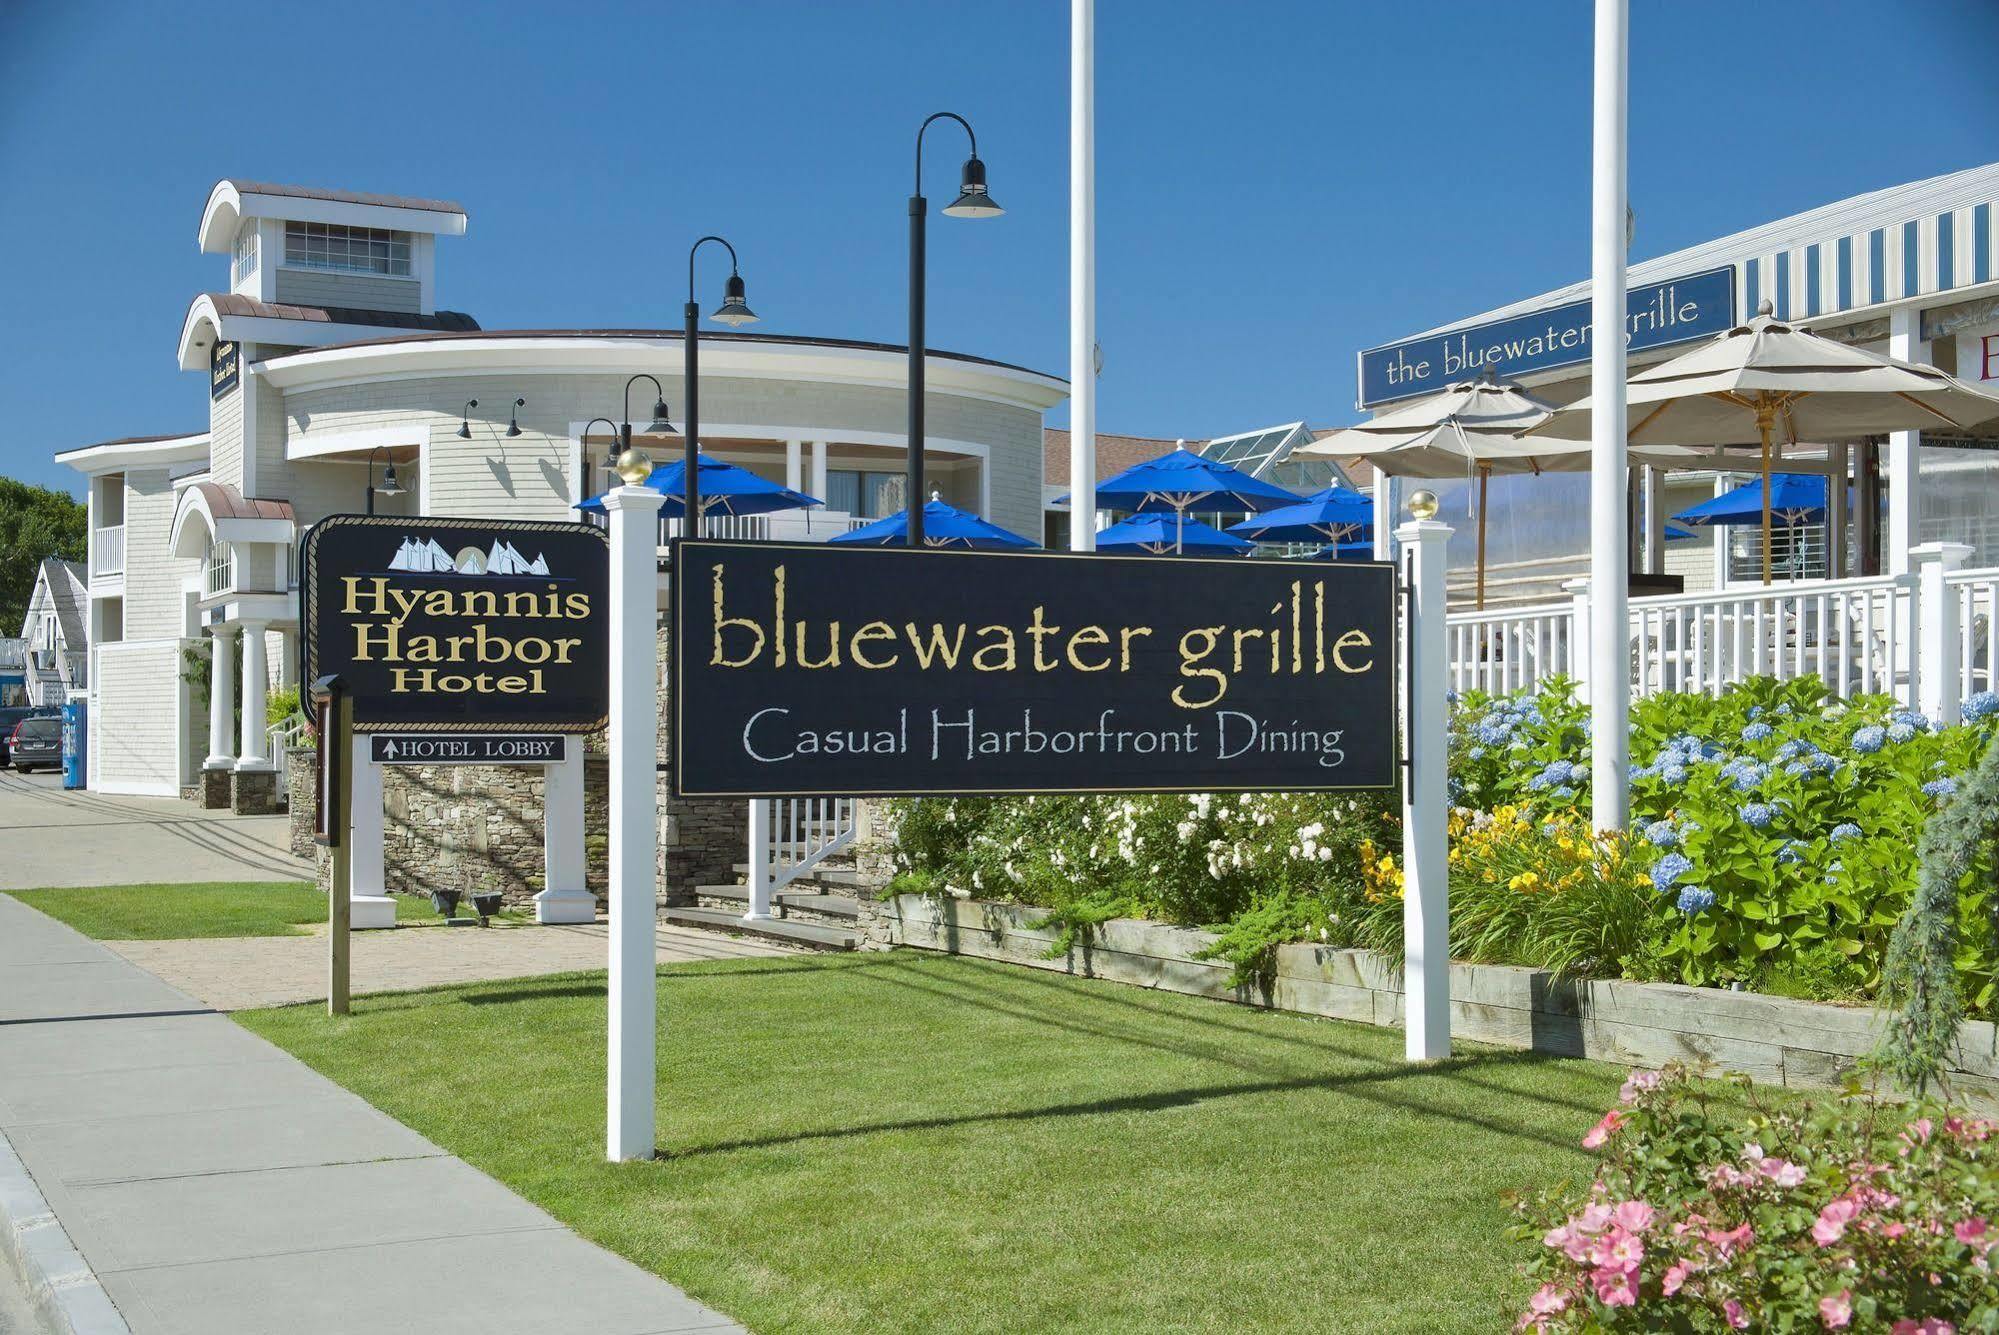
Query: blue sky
[{"x": 1279, "y": 184}]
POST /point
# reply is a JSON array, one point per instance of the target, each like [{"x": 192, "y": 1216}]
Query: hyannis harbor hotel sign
[
  {"x": 815, "y": 670},
  {"x": 459, "y": 624},
  {"x": 1655, "y": 315}
]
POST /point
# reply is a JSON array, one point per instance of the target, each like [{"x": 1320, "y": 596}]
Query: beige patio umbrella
[
  {"x": 1768, "y": 380},
  {"x": 1476, "y": 428}
]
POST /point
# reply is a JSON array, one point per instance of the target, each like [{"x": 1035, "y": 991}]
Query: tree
[{"x": 35, "y": 524}]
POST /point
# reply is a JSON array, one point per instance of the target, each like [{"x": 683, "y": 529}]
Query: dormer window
[
  {"x": 243, "y": 260},
  {"x": 339, "y": 249}
]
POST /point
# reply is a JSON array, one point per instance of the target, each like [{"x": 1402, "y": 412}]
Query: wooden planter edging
[{"x": 1799, "y": 1044}]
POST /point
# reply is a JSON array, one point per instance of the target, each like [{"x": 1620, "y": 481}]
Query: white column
[
  {"x": 288, "y": 657},
  {"x": 1426, "y": 894},
  {"x": 565, "y": 896},
  {"x": 1384, "y": 516},
  {"x": 1723, "y": 484},
  {"x": 1903, "y": 454},
  {"x": 1937, "y": 659},
  {"x": 818, "y": 470},
  {"x": 1655, "y": 519},
  {"x": 759, "y": 851},
  {"x": 1609, "y": 678},
  {"x": 1082, "y": 276},
  {"x": 1579, "y": 641},
  {"x": 369, "y": 904},
  {"x": 794, "y": 466},
  {"x": 255, "y": 752},
  {"x": 634, "y": 833},
  {"x": 221, "y": 699}
]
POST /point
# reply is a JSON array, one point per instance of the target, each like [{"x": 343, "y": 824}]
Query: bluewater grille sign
[
  {"x": 1674, "y": 311},
  {"x": 460, "y": 625},
  {"x": 808, "y": 670}
]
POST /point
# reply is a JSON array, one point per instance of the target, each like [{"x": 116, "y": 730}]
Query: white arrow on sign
[{"x": 389, "y": 749}]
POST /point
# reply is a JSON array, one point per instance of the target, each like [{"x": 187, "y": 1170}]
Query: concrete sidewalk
[{"x": 218, "y": 1186}]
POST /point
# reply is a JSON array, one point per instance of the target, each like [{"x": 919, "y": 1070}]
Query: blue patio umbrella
[
  {"x": 1168, "y": 535},
  {"x": 1795, "y": 498},
  {"x": 1183, "y": 481},
  {"x": 1352, "y": 549},
  {"x": 1335, "y": 515},
  {"x": 1674, "y": 533},
  {"x": 943, "y": 526},
  {"x": 725, "y": 489}
]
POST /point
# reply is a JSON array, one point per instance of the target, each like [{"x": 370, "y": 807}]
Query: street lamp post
[
  {"x": 389, "y": 487},
  {"x": 972, "y": 202},
  {"x": 612, "y": 462},
  {"x": 732, "y": 311}
]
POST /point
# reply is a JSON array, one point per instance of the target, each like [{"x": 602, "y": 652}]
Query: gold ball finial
[
  {"x": 1423, "y": 505},
  {"x": 634, "y": 466}
]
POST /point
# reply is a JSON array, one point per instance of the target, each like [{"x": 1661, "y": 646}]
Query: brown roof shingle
[
  {"x": 1114, "y": 453},
  {"x": 444, "y": 322}
]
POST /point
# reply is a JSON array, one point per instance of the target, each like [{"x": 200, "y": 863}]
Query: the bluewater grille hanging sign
[
  {"x": 1674, "y": 311},
  {"x": 460, "y": 625},
  {"x": 809, "y": 670}
]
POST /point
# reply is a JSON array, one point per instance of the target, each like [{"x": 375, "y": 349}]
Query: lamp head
[
  {"x": 973, "y": 201},
  {"x": 1423, "y": 505},
  {"x": 514, "y": 421},
  {"x": 465, "y": 419},
  {"x": 388, "y": 486},
  {"x": 733, "y": 310},
  {"x": 634, "y": 466},
  {"x": 659, "y": 426}
]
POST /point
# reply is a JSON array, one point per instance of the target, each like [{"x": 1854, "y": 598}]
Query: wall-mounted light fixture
[
  {"x": 465, "y": 419},
  {"x": 514, "y": 422}
]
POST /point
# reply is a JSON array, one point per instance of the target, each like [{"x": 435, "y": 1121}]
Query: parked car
[
  {"x": 36, "y": 743},
  {"x": 10, "y": 716}
]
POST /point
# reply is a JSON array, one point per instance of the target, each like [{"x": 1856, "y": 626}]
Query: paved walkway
[
  {"x": 241, "y": 973},
  {"x": 53, "y": 837},
  {"x": 218, "y": 1186}
]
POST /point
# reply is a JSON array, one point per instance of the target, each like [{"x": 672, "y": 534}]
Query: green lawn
[
  {"x": 178, "y": 912},
  {"x": 915, "y": 1142}
]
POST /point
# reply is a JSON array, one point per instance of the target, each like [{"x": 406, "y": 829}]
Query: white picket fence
[{"x": 1929, "y": 638}]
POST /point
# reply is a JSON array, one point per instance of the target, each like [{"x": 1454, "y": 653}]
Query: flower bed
[{"x": 1841, "y": 1215}]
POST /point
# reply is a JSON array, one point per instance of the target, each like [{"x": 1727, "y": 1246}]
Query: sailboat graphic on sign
[{"x": 501, "y": 558}]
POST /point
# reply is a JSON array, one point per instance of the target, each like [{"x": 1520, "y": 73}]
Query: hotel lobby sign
[
  {"x": 1658, "y": 314},
  {"x": 459, "y": 624},
  {"x": 809, "y": 670}
]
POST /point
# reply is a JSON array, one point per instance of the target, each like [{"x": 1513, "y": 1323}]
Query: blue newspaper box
[{"x": 75, "y": 743}]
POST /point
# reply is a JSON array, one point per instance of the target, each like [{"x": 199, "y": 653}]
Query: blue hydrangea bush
[{"x": 1780, "y": 824}]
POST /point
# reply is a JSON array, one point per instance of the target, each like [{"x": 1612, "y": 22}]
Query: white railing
[
  {"x": 279, "y": 738},
  {"x": 788, "y": 837},
  {"x": 107, "y": 551},
  {"x": 1930, "y": 639},
  {"x": 1975, "y": 598}
]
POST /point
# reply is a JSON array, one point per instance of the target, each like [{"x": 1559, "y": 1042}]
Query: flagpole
[{"x": 1609, "y": 580}]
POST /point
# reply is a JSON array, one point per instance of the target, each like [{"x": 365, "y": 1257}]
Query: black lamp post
[
  {"x": 659, "y": 426},
  {"x": 972, "y": 202},
  {"x": 610, "y": 462},
  {"x": 732, "y": 311},
  {"x": 389, "y": 487}
]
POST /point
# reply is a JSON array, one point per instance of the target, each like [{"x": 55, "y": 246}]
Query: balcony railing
[{"x": 107, "y": 551}]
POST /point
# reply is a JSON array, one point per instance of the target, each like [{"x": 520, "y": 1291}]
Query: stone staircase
[{"x": 818, "y": 909}]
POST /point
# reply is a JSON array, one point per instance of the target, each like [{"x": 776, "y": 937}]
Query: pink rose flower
[
  {"x": 1837, "y": 1311},
  {"x": 1676, "y": 1275},
  {"x": 1637, "y": 1216},
  {"x": 1614, "y": 1287},
  {"x": 1832, "y": 1221},
  {"x": 1969, "y": 1230},
  {"x": 1732, "y": 1312},
  {"x": 1726, "y": 1243},
  {"x": 1929, "y": 1325},
  {"x": 1548, "y": 1300},
  {"x": 1594, "y": 1218},
  {"x": 1603, "y": 1130},
  {"x": 1623, "y": 1249},
  {"x": 1639, "y": 1082},
  {"x": 1780, "y": 1171},
  {"x": 1894, "y": 1230}
]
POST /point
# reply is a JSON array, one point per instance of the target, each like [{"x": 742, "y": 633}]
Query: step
[
  {"x": 833, "y": 871},
  {"x": 779, "y": 929},
  {"x": 833, "y": 906}
]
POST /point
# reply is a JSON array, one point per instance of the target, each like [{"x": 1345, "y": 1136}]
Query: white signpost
[{"x": 1426, "y": 891}]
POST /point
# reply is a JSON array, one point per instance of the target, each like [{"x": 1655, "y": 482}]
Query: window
[
  {"x": 868, "y": 495},
  {"x": 347, "y": 249},
  {"x": 221, "y": 568},
  {"x": 243, "y": 264}
]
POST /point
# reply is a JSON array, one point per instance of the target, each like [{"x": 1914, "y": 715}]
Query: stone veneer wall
[{"x": 700, "y": 842}]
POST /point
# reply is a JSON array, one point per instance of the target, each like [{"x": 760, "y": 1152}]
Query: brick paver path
[{"x": 242, "y": 973}]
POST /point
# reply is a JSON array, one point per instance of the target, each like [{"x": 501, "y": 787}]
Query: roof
[
  {"x": 1779, "y": 252},
  {"x": 225, "y": 502},
  {"x": 707, "y": 336},
  {"x": 1114, "y": 454},
  {"x": 69, "y": 594},
  {"x": 342, "y": 196},
  {"x": 232, "y": 303},
  {"x": 136, "y": 451}
]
